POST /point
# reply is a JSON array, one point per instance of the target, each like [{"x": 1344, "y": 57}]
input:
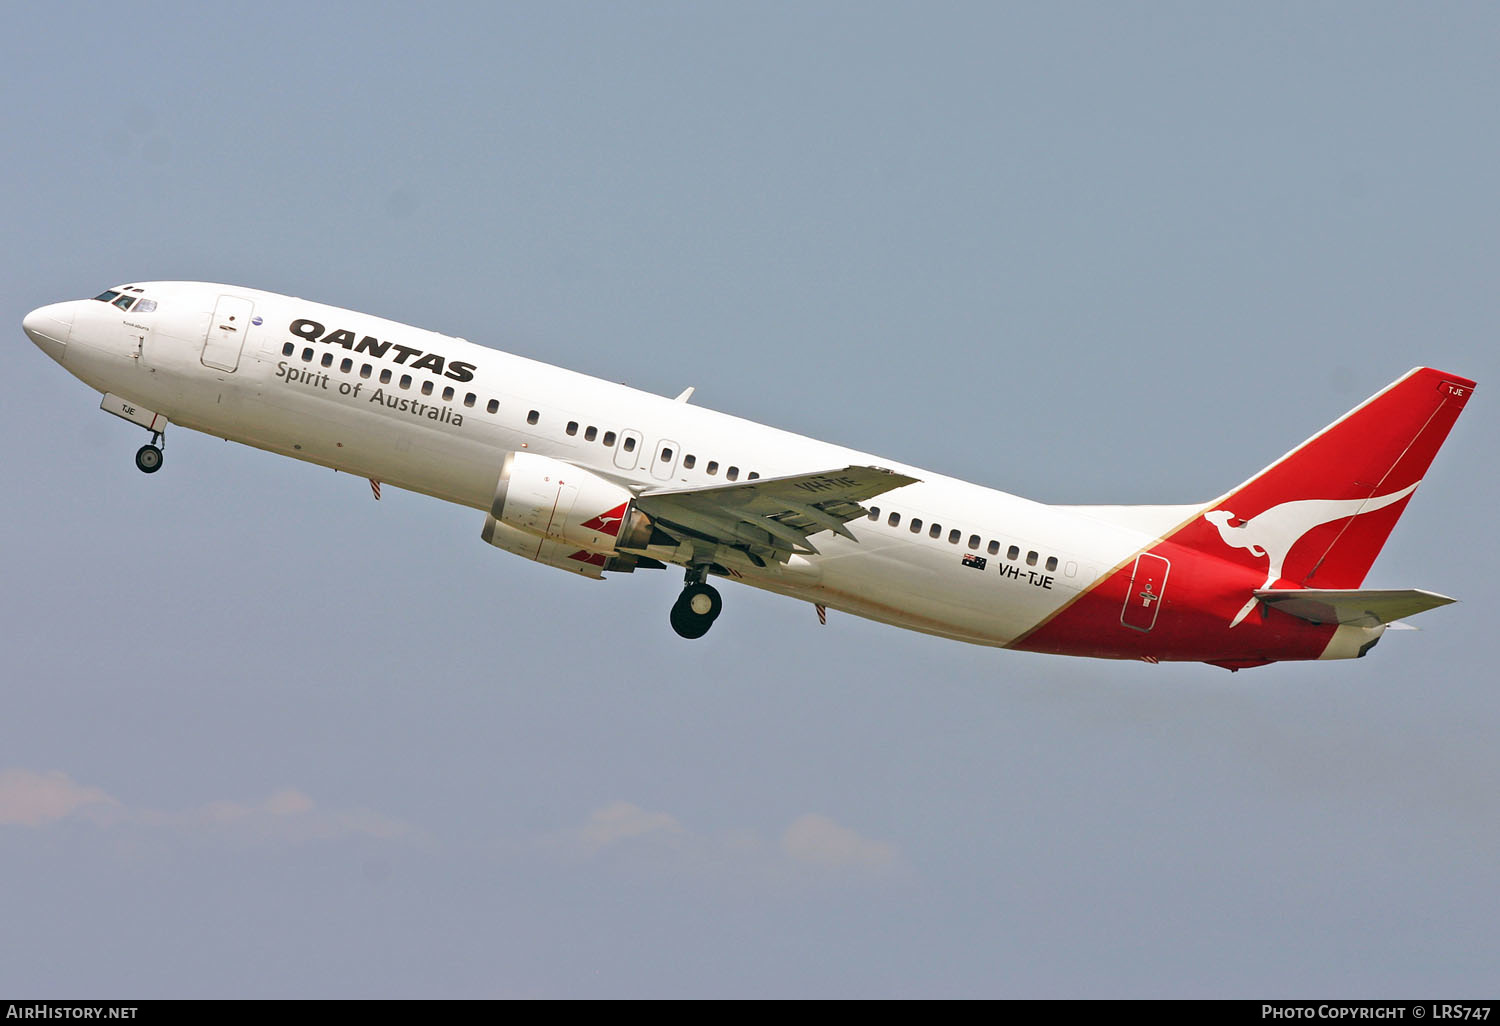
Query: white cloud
[
  {"x": 624, "y": 821},
  {"x": 290, "y": 815},
  {"x": 288, "y": 803},
  {"x": 810, "y": 841},
  {"x": 29, "y": 798},
  {"x": 819, "y": 840}
]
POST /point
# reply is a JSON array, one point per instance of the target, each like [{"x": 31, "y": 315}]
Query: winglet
[{"x": 687, "y": 393}]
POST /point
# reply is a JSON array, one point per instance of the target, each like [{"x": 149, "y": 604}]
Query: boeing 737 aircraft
[{"x": 598, "y": 478}]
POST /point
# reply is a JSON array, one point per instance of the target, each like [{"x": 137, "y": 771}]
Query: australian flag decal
[{"x": 977, "y": 562}]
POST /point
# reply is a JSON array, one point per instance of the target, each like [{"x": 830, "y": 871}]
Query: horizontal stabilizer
[{"x": 1362, "y": 607}]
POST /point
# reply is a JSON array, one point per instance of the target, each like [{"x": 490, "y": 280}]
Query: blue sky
[{"x": 265, "y": 737}]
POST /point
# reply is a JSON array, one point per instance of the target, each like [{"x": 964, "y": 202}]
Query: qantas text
[{"x": 313, "y": 331}]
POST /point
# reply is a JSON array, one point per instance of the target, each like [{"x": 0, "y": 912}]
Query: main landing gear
[
  {"x": 148, "y": 457},
  {"x": 697, "y": 607}
]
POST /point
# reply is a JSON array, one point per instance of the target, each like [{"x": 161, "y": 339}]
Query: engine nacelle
[
  {"x": 564, "y": 516},
  {"x": 552, "y": 552}
]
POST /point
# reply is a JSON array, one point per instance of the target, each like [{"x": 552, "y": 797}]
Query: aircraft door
[
  {"x": 226, "y": 333},
  {"x": 628, "y": 452},
  {"x": 663, "y": 460},
  {"x": 1148, "y": 583}
]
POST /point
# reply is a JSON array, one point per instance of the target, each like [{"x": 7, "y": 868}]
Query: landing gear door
[
  {"x": 1148, "y": 583},
  {"x": 226, "y": 333}
]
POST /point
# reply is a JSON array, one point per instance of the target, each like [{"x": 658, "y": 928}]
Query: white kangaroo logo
[
  {"x": 1276, "y": 531},
  {"x": 607, "y": 518}
]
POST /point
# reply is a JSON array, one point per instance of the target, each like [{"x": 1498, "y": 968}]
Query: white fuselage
[{"x": 325, "y": 403}]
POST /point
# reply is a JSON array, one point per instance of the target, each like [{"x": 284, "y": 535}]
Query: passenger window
[
  {"x": 934, "y": 530},
  {"x": 994, "y": 548},
  {"x": 327, "y": 359},
  {"x": 666, "y": 455},
  {"x": 572, "y": 427},
  {"x": 916, "y": 525},
  {"x": 894, "y": 520},
  {"x": 713, "y": 467},
  {"x": 1013, "y": 553},
  {"x": 347, "y": 365},
  {"x": 493, "y": 406},
  {"x": 752, "y": 475},
  {"x": 448, "y": 394},
  {"x": 689, "y": 461},
  {"x": 1031, "y": 558},
  {"x": 469, "y": 399},
  {"x": 426, "y": 388},
  {"x": 608, "y": 441},
  {"x": 364, "y": 370},
  {"x": 956, "y": 534},
  {"x": 405, "y": 381},
  {"x": 288, "y": 349},
  {"x": 973, "y": 541},
  {"x": 629, "y": 443},
  {"x": 874, "y": 513},
  {"x": 733, "y": 473},
  {"x": 590, "y": 433},
  {"x": 385, "y": 375},
  {"x": 1051, "y": 563},
  {"x": 533, "y": 417},
  {"x": 307, "y": 355}
]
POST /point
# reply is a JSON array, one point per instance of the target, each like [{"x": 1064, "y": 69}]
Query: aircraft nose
[{"x": 49, "y": 327}]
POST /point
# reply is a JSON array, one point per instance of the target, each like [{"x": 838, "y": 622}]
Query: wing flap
[
  {"x": 776, "y": 514},
  {"x": 1362, "y": 607}
]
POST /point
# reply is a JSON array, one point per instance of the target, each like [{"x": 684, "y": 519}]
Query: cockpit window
[{"x": 122, "y": 298}]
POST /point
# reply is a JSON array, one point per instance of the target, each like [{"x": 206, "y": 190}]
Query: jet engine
[{"x": 564, "y": 516}]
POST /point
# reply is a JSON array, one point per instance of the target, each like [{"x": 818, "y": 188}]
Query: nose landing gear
[
  {"x": 697, "y": 607},
  {"x": 148, "y": 457}
]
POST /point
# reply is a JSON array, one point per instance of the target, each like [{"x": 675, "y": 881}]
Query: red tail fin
[{"x": 1322, "y": 512}]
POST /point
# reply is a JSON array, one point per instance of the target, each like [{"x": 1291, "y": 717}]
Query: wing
[
  {"x": 1364, "y": 607},
  {"x": 770, "y": 519}
]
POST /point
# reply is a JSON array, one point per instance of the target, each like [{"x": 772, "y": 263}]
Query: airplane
[{"x": 597, "y": 478}]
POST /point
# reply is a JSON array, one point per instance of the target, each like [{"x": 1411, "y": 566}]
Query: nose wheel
[
  {"x": 695, "y": 610},
  {"x": 148, "y": 457}
]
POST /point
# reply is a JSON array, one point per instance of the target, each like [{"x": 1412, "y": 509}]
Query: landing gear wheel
[
  {"x": 686, "y": 624},
  {"x": 148, "y": 459},
  {"x": 695, "y": 610}
]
